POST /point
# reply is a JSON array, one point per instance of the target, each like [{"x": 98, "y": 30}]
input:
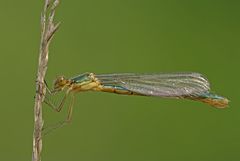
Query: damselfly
[{"x": 191, "y": 86}]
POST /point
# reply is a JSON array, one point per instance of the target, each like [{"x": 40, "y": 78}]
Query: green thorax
[{"x": 81, "y": 78}]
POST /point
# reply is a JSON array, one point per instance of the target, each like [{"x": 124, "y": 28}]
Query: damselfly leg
[{"x": 58, "y": 107}]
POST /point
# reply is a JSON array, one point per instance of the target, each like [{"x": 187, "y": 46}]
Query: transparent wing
[{"x": 162, "y": 85}]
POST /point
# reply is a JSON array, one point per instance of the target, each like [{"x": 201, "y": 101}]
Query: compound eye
[
  {"x": 60, "y": 78},
  {"x": 60, "y": 81}
]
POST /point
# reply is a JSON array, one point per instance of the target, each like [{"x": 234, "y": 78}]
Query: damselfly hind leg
[
  {"x": 67, "y": 120},
  {"x": 58, "y": 108}
]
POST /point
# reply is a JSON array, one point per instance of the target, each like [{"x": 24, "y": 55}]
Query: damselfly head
[{"x": 60, "y": 83}]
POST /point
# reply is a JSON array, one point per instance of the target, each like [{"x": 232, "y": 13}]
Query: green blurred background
[{"x": 111, "y": 36}]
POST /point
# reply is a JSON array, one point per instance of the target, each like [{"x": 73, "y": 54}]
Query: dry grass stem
[{"x": 48, "y": 29}]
